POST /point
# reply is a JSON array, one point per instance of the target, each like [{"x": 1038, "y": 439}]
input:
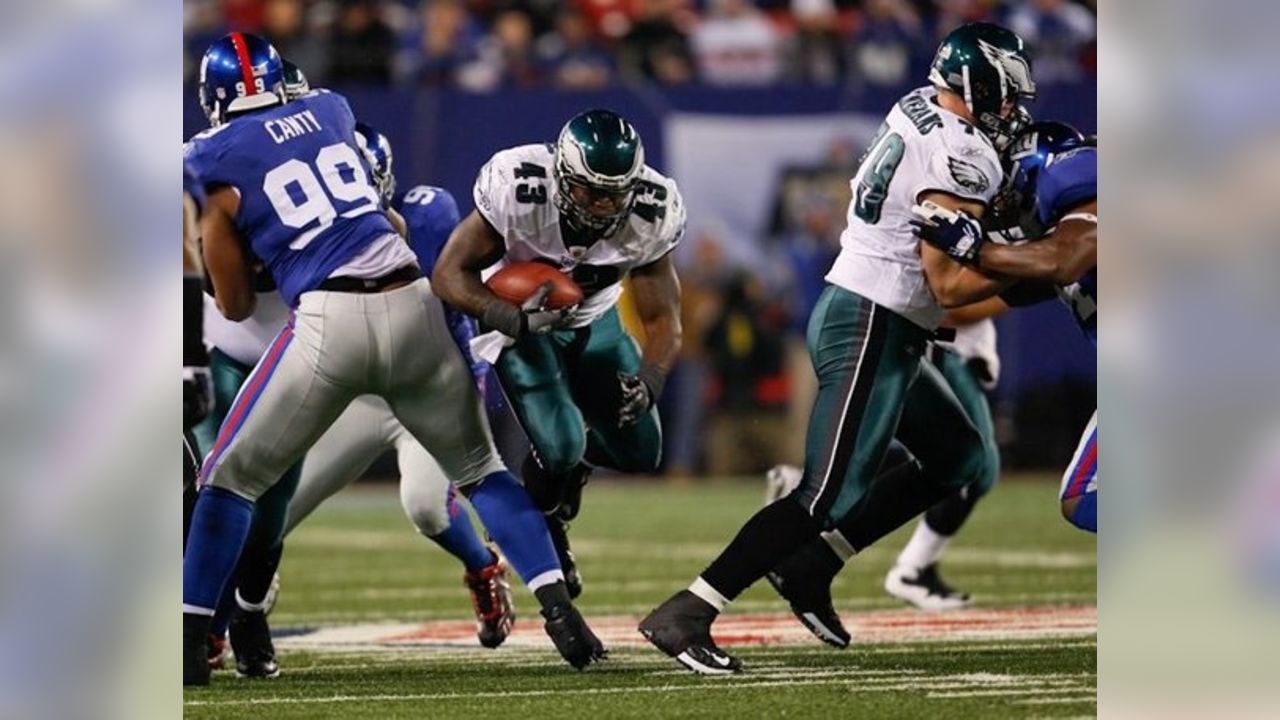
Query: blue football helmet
[
  {"x": 1033, "y": 149},
  {"x": 240, "y": 72},
  {"x": 377, "y": 152}
]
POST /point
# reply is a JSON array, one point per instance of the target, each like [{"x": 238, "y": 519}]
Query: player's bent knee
[{"x": 430, "y": 519}]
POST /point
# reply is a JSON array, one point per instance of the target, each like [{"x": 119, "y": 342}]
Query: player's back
[
  {"x": 921, "y": 147},
  {"x": 431, "y": 214},
  {"x": 307, "y": 206}
]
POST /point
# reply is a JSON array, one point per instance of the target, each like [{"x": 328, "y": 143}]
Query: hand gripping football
[{"x": 517, "y": 281}]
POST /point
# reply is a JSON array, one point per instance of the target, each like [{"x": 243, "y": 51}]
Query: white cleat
[
  {"x": 924, "y": 588},
  {"x": 780, "y": 481}
]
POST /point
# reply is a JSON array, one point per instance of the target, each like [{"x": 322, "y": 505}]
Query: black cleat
[
  {"x": 577, "y": 644},
  {"x": 804, "y": 581},
  {"x": 251, "y": 643},
  {"x": 681, "y": 628},
  {"x": 925, "y": 588},
  {"x": 195, "y": 654},
  {"x": 559, "y": 531}
]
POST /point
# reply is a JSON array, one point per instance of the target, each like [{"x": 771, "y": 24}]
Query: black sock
[
  {"x": 770, "y": 536},
  {"x": 899, "y": 492},
  {"x": 948, "y": 515},
  {"x": 256, "y": 570},
  {"x": 195, "y": 625},
  {"x": 554, "y": 594}
]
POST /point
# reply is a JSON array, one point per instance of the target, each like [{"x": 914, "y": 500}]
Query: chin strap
[{"x": 1082, "y": 216}]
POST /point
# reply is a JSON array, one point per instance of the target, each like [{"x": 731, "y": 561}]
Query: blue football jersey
[
  {"x": 192, "y": 186},
  {"x": 307, "y": 204},
  {"x": 431, "y": 214},
  {"x": 1068, "y": 181}
]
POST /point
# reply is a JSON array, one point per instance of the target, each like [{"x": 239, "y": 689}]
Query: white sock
[
  {"x": 248, "y": 606},
  {"x": 839, "y": 545},
  {"x": 703, "y": 589},
  {"x": 543, "y": 579},
  {"x": 924, "y": 548}
]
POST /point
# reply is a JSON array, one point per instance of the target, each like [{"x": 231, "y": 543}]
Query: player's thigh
[
  {"x": 1081, "y": 475},
  {"x": 341, "y": 455},
  {"x": 935, "y": 426},
  {"x": 964, "y": 382},
  {"x": 286, "y": 403},
  {"x": 536, "y": 382},
  {"x": 865, "y": 358}
]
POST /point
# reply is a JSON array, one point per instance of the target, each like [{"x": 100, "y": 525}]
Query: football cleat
[
  {"x": 924, "y": 588},
  {"x": 780, "y": 481},
  {"x": 559, "y": 531},
  {"x": 804, "y": 581},
  {"x": 491, "y": 599},
  {"x": 195, "y": 657},
  {"x": 219, "y": 651},
  {"x": 251, "y": 642},
  {"x": 681, "y": 628},
  {"x": 577, "y": 644}
]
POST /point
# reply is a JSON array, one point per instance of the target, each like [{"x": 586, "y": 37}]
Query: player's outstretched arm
[
  {"x": 225, "y": 257},
  {"x": 953, "y": 284},
  {"x": 1061, "y": 258},
  {"x": 473, "y": 246},
  {"x": 656, "y": 290}
]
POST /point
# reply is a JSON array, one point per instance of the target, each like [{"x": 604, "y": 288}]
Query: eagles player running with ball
[
  {"x": 887, "y": 295},
  {"x": 287, "y": 182},
  {"x": 585, "y": 395}
]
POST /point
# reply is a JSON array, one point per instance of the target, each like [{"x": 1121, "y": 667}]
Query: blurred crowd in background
[
  {"x": 490, "y": 45},
  {"x": 739, "y": 399}
]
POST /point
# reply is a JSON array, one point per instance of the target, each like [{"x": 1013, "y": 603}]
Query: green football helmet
[
  {"x": 598, "y": 162},
  {"x": 295, "y": 83},
  {"x": 988, "y": 66}
]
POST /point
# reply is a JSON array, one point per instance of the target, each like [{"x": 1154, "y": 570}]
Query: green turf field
[{"x": 394, "y": 641}]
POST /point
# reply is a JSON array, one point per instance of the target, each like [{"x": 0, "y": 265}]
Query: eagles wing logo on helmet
[
  {"x": 1011, "y": 67},
  {"x": 968, "y": 175}
]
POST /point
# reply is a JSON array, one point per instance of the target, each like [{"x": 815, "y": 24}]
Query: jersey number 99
[{"x": 295, "y": 191}]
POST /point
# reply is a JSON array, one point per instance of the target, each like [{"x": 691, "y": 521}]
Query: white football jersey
[
  {"x": 978, "y": 341},
  {"x": 920, "y": 147},
  {"x": 247, "y": 340},
  {"x": 515, "y": 192}
]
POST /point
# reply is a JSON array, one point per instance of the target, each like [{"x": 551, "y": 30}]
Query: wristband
[
  {"x": 505, "y": 318},
  {"x": 653, "y": 378}
]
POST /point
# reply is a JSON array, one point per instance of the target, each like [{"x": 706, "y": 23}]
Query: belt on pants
[{"x": 405, "y": 274}]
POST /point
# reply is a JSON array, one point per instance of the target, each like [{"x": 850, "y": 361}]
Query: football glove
[
  {"x": 639, "y": 393},
  {"x": 533, "y": 315},
  {"x": 955, "y": 232}
]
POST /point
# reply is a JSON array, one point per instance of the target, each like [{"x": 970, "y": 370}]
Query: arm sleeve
[
  {"x": 489, "y": 195},
  {"x": 1067, "y": 182},
  {"x": 674, "y": 221}
]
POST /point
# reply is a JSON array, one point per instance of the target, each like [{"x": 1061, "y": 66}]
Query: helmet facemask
[{"x": 590, "y": 208}]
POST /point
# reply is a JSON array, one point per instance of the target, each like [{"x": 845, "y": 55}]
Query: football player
[
  {"x": 287, "y": 182},
  {"x": 588, "y": 205},
  {"x": 197, "y": 389},
  {"x": 364, "y": 431},
  {"x": 888, "y": 293},
  {"x": 971, "y": 367},
  {"x": 1054, "y": 184}
]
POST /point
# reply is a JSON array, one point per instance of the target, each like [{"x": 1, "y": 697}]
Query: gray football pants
[
  {"x": 336, "y": 347},
  {"x": 364, "y": 431}
]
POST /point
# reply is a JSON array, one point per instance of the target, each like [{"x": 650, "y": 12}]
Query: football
[{"x": 517, "y": 281}]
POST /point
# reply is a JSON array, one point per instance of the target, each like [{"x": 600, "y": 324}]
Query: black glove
[
  {"x": 197, "y": 395},
  {"x": 639, "y": 393},
  {"x": 533, "y": 316}
]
